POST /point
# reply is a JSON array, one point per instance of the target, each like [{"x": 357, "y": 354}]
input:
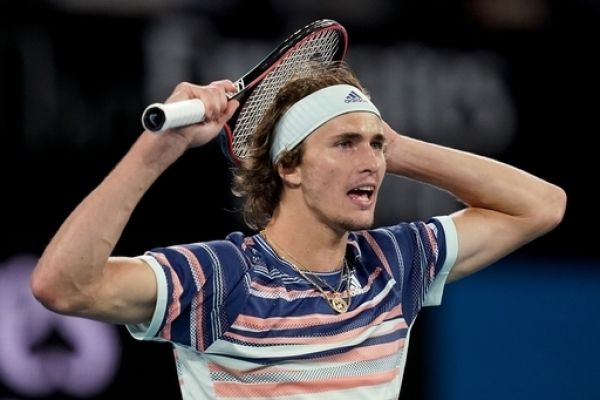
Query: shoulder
[
  {"x": 434, "y": 229},
  {"x": 406, "y": 237},
  {"x": 390, "y": 233},
  {"x": 229, "y": 249}
]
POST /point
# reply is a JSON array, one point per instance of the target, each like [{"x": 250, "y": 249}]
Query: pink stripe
[
  {"x": 376, "y": 272},
  {"x": 280, "y": 389},
  {"x": 367, "y": 353},
  {"x": 377, "y": 250},
  {"x": 434, "y": 246},
  {"x": 264, "y": 324},
  {"x": 395, "y": 312},
  {"x": 197, "y": 270},
  {"x": 174, "y": 308}
]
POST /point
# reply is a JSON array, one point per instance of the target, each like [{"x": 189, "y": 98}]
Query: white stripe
[
  {"x": 367, "y": 304},
  {"x": 384, "y": 391},
  {"x": 147, "y": 331},
  {"x": 291, "y": 350}
]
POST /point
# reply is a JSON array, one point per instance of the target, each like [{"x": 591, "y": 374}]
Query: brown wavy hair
[{"x": 256, "y": 179}]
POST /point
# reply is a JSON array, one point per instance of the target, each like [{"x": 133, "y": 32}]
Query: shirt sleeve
[
  {"x": 149, "y": 331},
  {"x": 444, "y": 230},
  {"x": 200, "y": 289}
]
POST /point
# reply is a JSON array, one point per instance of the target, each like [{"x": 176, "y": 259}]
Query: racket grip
[{"x": 158, "y": 117}]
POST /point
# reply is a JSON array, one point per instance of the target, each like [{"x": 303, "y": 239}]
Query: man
[{"x": 318, "y": 304}]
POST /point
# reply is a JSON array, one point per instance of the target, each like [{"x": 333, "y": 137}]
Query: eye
[
  {"x": 345, "y": 144},
  {"x": 378, "y": 144}
]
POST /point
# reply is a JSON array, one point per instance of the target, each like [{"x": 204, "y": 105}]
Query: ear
[{"x": 290, "y": 176}]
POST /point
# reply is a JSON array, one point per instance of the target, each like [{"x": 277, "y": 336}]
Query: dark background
[{"x": 75, "y": 77}]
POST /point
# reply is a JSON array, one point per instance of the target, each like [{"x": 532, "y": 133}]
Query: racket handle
[{"x": 158, "y": 117}]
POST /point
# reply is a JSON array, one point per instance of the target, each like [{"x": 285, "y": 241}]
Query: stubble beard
[
  {"x": 356, "y": 225},
  {"x": 344, "y": 223}
]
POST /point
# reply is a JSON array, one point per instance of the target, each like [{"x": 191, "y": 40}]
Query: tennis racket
[{"x": 322, "y": 41}]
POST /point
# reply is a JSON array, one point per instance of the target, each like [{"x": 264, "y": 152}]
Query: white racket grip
[{"x": 158, "y": 117}]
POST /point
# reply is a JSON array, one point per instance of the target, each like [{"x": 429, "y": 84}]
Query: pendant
[{"x": 338, "y": 304}]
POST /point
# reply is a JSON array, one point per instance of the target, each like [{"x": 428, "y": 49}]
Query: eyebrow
[{"x": 356, "y": 135}]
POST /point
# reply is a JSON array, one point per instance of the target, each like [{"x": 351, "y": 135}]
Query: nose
[{"x": 370, "y": 159}]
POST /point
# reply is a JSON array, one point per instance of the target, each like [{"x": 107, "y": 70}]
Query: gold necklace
[{"x": 334, "y": 298}]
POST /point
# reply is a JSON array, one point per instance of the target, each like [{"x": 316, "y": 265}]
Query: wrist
[{"x": 159, "y": 151}]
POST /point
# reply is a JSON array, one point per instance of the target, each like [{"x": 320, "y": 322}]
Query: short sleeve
[
  {"x": 148, "y": 331},
  {"x": 444, "y": 230}
]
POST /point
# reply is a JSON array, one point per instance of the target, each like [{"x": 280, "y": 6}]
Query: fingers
[
  {"x": 232, "y": 105},
  {"x": 389, "y": 132},
  {"x": 214, "y": 96}
]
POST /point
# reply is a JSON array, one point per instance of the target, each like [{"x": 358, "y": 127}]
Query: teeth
[{"x": 365, "y": 188}]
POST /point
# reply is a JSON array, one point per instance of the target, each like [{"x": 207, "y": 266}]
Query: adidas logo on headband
[{"x": 353, "y": 97}]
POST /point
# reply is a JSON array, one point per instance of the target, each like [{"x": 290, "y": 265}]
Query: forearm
[
  {"x": 506, "y": 207},
  {"x": 475, "y": 180},
  {"x": 78, "y": 252}
]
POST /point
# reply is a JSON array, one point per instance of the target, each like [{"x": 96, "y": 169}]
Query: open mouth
[{"x": 362, "y": 193}]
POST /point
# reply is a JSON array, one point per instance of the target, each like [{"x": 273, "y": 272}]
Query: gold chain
[{"x": 334, "y": 298}]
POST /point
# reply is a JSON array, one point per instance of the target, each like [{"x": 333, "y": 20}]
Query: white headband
[{"x": 308, "y": 114}]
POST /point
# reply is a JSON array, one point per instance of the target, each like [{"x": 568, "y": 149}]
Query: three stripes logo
[{"x": 354, "y": 97}]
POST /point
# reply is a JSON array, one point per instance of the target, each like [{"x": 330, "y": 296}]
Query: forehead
[{"x": 364, "y": 123}]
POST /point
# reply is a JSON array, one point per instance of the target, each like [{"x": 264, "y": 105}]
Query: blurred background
[{"x": 516, "y": 80}]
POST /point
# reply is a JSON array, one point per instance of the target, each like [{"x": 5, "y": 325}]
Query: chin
[{"x": 357, "y": 224}]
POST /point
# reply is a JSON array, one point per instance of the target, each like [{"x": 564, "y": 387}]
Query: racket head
[{"x": 322, "y": 41}]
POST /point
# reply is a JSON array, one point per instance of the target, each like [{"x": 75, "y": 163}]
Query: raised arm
[
  {"x": 76, "y": 274},
  {"x": 505, "y": 207}
]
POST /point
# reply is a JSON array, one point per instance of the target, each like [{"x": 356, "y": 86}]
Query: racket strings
[{"x": 320, "y": 47}]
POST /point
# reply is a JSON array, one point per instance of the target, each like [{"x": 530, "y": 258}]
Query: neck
[{"x": 309, "y": 247}]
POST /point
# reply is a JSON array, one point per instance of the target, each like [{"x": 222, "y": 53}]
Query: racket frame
[{"x": 246, "y": 84}]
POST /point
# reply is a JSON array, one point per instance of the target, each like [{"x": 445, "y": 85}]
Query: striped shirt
[{"x": 245, "y": 325}]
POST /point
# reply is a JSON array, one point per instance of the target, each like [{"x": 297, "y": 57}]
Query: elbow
[
  {"x": 46, "y": 289},
  {"x": 553, "y": 208},
  {"x": 43, "y": 291}
]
